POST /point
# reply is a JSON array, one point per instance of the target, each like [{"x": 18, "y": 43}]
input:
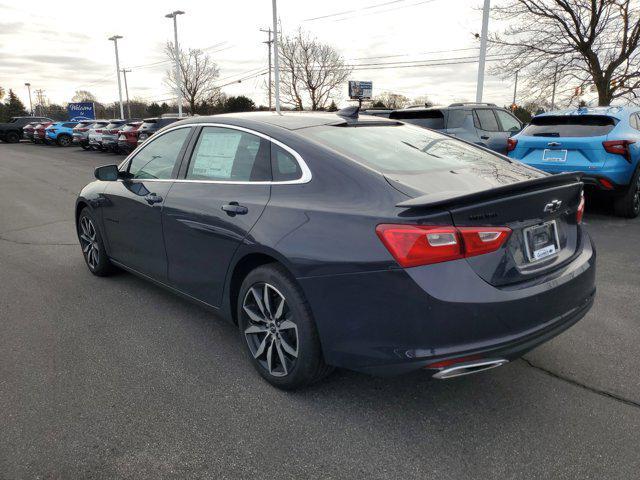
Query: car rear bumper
[{"x": 395, "y": 321}]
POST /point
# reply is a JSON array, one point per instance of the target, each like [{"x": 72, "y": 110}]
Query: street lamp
[
  {"x": 28, "y": 85},
  {"x": 115, "y": 39},
  {"x": 174, "y": 15}
]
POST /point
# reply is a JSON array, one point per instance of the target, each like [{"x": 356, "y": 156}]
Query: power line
[
  {"x": 419, "y": 53},
  {"x": 352, "y": 11}
]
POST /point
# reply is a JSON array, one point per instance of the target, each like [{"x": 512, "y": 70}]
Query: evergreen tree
[
  {"x": 14, "y": 107},
  {"x": 154, "y": 110}
]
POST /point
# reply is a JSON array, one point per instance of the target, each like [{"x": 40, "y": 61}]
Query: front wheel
[
  {"x": 278, "y": 330},
  {"x": 12, "y": 137},
  {"x": 628, "y": 205},
  {"x": 92, "y": 245}
]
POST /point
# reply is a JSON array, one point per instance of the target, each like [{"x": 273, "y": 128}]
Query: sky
[{"x": 61, "y": 50}]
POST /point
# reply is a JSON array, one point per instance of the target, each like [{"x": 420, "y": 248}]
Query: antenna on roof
[{"x": 349, "y": 112}]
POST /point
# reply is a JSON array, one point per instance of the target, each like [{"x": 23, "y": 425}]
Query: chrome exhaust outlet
[{"x": 468, "y": 368}]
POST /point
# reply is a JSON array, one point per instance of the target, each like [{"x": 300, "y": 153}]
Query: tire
[
  {"x": 12, "y": 137},
  {"x": 64, "y": 140},
  {"x": 284, "y": 331},
  {"x": 95, "y": 256},
  {"x": 628, "y": 205},
  {"x": 85, "y": 147}
]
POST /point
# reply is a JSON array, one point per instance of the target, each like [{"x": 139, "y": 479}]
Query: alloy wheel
[
  {"x": 636, "y": 196},
  {"x": 89, "y": 242},
  {"x": 271, "y": 333}
]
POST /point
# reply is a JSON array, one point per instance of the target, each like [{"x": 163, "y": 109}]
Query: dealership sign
[
  {"x": 81, "y": 111},
  {"x": 360, "y": 90}
]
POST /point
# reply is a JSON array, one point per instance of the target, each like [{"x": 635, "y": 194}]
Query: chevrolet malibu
[{"x": 333, "y": 240}]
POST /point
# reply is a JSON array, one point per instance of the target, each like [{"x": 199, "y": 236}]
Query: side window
[
  {"x": 158, "y": 158},
  {"x": 456, "y": 118},
  {"x": 486, "y": 120},
  {"x": 635, "y": 121},
  {"x": 509, "y": 123},
  {"x": 226, "y": 154},
  {"x": 69, "y": 125},
  {"x": 284, "y": 166}
]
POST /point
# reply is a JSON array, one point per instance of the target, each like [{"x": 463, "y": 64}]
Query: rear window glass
[
  {"x": 430, "y": 119},
  {"x": 456, "y": 118},
  {"x": 114, "y": 125},
  {"x": 130, "y": 126},
  {"x": 486, "y": 120},
  {"x": 400, "y": 149},
  {"x": 570, "y": 126},
  {"x": 284, "y": 166},
  {"x": 149, "y": 124}
]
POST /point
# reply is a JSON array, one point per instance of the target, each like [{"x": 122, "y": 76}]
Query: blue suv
[
  {"x": 60, "y": 133},
  {"x": 601, "y": 142}
]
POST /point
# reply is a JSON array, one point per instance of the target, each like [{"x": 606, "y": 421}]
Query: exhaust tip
[{"x": 468, "y": 368}]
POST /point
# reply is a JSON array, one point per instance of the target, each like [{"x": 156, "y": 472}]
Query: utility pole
[
  {"x": 126, "y": 91},
  {"x": 174, "y": 15},
  {"x": 553, "y": 93},
  {"x": 515, "y": 89},
  {"x": 28, "y": 85},
  {"x": 276, "y": 71},
  {"x": 269, "y": 42},
  {"x": 483, "y": 49},
  {"x": 115, "y": 39},
  {"x": 40, "y": 101}
]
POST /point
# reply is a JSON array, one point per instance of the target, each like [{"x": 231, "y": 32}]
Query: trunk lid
[{"x": 540, "y": 211}]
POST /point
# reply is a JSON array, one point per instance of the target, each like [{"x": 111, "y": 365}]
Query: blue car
[
  {"x": 60, "y": 133},
  {"x": 603, "y": 143}
]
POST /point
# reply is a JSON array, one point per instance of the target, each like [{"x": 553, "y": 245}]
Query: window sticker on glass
[{"x": 215, "y": 154}]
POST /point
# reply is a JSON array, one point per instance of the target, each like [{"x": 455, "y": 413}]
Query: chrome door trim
[{"x": 306, "y": 172}]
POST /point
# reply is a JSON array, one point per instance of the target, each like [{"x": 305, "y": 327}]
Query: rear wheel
[
  {"x": 64, "y": 140},
  {"x": 628, "y": 205},
  {"x": 92, "y": 245},
  {"x": 277, "y": 329},
  {"x": 12, "y": 137},
  {"x": 85, "y": 147}
]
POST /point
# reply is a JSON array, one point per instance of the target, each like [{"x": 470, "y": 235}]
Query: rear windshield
[
  {"x": 149, "y": 124},
  {"x": 130, "y": 126},
  {"x": 114, "y": 125},
  {"x": 570, "y": 126},
  {"x": 430, "y": 119},
  {"x": 84, "y": 124},
  {"x": 400, "y": 148}
]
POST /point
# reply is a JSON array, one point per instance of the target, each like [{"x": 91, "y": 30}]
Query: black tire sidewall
[
  {"x": 64, "y": 138},
  {"x": 309, "y": 361},
  {"x": 12, "y": 137},
  {"x": 624, "y": 204},
  {"x": 104, "y": 266}
]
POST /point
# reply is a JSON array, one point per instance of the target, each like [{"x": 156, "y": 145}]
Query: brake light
[
  {"x": 98, "y": 131},
  {"x": 619, "y": 147},
  {"x": 580, "y": 212},
  {"x": 83, "y": 129},
  {"x": 413, "y": 245},
  {"x": 511, "y": 144}
]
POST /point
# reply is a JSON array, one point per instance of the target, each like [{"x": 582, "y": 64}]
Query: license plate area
[
  {"x": 541, "y": 241},
  {"x": 558, "y": 156}
]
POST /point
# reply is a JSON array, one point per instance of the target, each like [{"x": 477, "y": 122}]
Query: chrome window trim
[{"x": 306, "y": 172}]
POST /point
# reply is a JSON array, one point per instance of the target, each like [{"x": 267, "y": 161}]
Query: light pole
[
  {"x": 126, "y": 91},
  {"x": 515, "y": 88},
  {"x": 276, "y": 55},
  {"x": 174, "y": 15},
  {"x": 115, "y": 39},
  {"x": 483, "y": 49},
  {"x": 28, "y": 85}
]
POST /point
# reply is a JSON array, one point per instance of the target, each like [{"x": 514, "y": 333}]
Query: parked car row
[{"x": 114, "y": 135}]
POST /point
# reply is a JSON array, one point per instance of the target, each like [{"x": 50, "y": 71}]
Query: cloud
[{"x": 9, "y": 28}]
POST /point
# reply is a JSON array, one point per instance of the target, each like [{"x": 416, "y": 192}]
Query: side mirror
[{"x": 107, "y": 173}]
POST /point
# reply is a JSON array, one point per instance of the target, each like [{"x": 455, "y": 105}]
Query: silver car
[{"x": 95, "y": 134}]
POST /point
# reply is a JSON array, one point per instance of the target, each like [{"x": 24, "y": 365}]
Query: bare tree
[
  {"x": 578, "y": 42},
  {"x": 83, "y": 96},
  {"x": 392, "y": 100},
  {"x": 310, "y": 71},
  {"x": 198, "y": 73}
]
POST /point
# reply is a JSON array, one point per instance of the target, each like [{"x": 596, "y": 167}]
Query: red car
[
  {"x": 38, "y": 133},
  {"x": 28, "y": 129},
  {"x": 128, "y": 137}
]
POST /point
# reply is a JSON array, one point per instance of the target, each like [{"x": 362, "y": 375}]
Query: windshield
[
  {"x": 400, "y": 148},
  {"x": 570, "y": 126}
]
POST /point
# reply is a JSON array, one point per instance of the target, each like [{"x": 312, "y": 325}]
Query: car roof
[
  {"x": 288, "y": 120},
  {"x": 618, "y": 112}
]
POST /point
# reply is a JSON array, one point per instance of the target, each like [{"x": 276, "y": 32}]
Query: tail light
[
  {"x": 511, "y": 144},
  {"x": 82, "y": 129},
  {"x": 580, "y": 212},
  {"x": 619, "y": 147},
  {"x": 99, "y": 131},
  {"x": 413, "y": 245}
]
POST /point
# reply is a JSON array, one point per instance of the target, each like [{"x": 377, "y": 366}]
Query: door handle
[
  {"x": 232, "y": 209},
  {"x": 153, "y": 198},
  {"x": 484, "y": 137}
]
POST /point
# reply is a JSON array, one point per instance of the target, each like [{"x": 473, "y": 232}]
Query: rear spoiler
[{"x": 457, "y": 197}]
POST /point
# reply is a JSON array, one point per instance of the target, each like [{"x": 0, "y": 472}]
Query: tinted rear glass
[
  {"x": 130, "y": 126},
  {"x": 401, "y": 148},
  {"x": 570, "y": 126},
  {"x": 149, "y": 124},
  {"x": 429, "y": 119},
  {"x": 114, "y": 125}
]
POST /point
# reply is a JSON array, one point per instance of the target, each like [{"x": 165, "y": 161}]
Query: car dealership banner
[{"x": 81, "y": 111}]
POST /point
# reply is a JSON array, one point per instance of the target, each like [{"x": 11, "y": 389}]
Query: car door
[
  {"x": 509, "y": 124},
  {"x": 133, "y": 205},
  {"x": 209, "y": 212},
  {"x": 488, "y": 130}
]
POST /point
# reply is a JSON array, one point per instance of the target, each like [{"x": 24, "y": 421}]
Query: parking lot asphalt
[{"x": 117, "y": 378}]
